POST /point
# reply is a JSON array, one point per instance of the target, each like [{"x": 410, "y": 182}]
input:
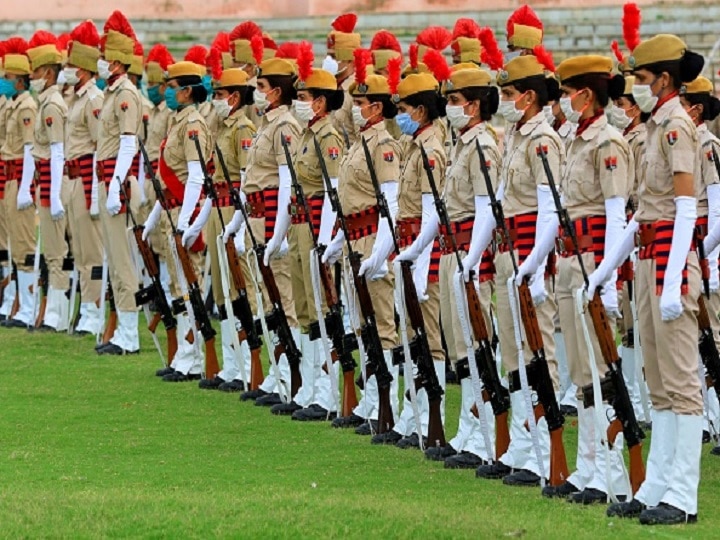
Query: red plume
[
  {"x": 394, "y": 66},
  {"x": 197, "y": 54},
  {"x": 269, "y": 43},
  {"x": 16, "y": 45},
  {"x": 118, "y": 22},
  {"x": 138, "y": 49},
  {"x": 257, "y": 46},
  {"x": 491, "y": 53},
  {"x": 544, "y": 57},
  {"x": 362, "y": 59},
  {"x": 305, "y": 59},
  {"x": 214, "y": 62},
  {"x": 465, "y": 28},
  {"x": 631, "y": 25},
  {"x": 42, "y": 37},
  {"x": 2, "y": 49},
  {"x": 160, "y": 54},
  {"x": 86, "y": 33},
  {"x": 616, "y": 50},
  {"x": 245, "y": 30},
  {"x": 63, "y": 41},
  {"x": 435, "y": 37},
  {"x": 436, "y": 63},
  {"x": 221, "y": 42},
  {"x": 288, "y": 50},
  {"x": 523, "y": 15},
  {"x": 413, "y": 55},
  {"x": 386, "y": 41},
  {"x": 345, "y": 23}
]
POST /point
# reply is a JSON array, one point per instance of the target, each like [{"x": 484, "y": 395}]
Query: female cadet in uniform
[
  {"x": 317, "y": 97},
  {"x": 180, "y": 170},
  {"x": 370, "y": 235},
  {"x": 597, "y": 177},
  {"x": 420, "y": 104},
  {"x": 668, "y": 282},
  {"x": 530, "y": 216}
]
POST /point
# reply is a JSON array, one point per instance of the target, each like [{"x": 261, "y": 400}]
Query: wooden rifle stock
[
  {"x": 349, "y": 399},
  {"x": 256, "y": 370}
]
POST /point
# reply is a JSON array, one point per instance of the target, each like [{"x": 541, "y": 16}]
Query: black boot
[
  {"x": 628, "y": 509},
  {"x": 665, "y": 514},
  {"x": 351, "y": 421},
  {"x": 523, "y": 477},
  {"x": 464, "y": 460},
  {"x": 564, "y": 490},
  {"x": 439, "y": 453},
  {"x": 494, "y": 472}
]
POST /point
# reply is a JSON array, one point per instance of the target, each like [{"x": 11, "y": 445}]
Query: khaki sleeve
[
  {"x": 54, "y": 121},
  {"x": 386, "y": 160},
  {"x": 26, "y": 120},
  {"x": 680, "y": 146},
  {"x": 193, "y": 129},
  {"x": 128, "y": 112},
  {"x": 93, "y": 108},
  {"x": 291, "y": 133},
  {"x": 612, "y": 162},
  {"x": 493, "y": 161},
  {"x": 554, "y": 157},
  {"x": 331, "y": 147},
  {"x": 243, "y": 137},
  {"x": 438, "y": 164}
]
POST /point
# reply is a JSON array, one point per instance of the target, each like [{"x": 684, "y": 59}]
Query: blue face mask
[
  {"x": 207, "y": 83},
  {"x": 171, "y": 98},
  {"x": 406, "y": 124},
  {"x": 101, "y": 83},
  {"x": 154, "y": 94},
  {"x": 7, "y": 88}
]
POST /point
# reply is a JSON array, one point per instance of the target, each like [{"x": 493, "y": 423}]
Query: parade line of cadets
[{"x": 359, "y": 218}]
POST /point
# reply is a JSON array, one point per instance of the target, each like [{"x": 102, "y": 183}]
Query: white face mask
[
  {"x": 103, "y": 69},
  {"x": 261, "y": 100},
  {"x": 618, "y": 117},
  {"x": 37, "y": 85},
  {"x": 330, "y": 65},
  {"x": 510, "y": 55},
  {"x": 358, "y": 119},
  {"x": 644, "y": 97},
  {"x": 509, "y": 111},
  {"x": 549, "y": 115},
  {"x": 303, "y": 110},
  {"x": 456, "y": 116},
  {"x": 571, "y": 115},
  {"x": 222, "y": 107},
  {"x": 71, "y": 77}
]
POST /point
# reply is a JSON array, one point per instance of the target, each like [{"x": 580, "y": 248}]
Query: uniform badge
[
  {"x": 333, "y": 153},
  {"x": 487, "y": 164},
  {"x": 49, "y": 121},
  {"x": 96, "y": 114},
  {"x": 431, "y": 164},
  {"x": 709, "y": 156},
  {"x": 124, "y": 106},
  {"x": 288, "y": 138},
  {"x": 389, "y": 157},
  {"x": 672, "y": 137},
  {"x": 145, "y": 118},
  {"x": 541, "y": 149},
  {"x": 245, "y": 144},
  {"x": 611, "y": 163},
  {"x": 27, "y": 121}
]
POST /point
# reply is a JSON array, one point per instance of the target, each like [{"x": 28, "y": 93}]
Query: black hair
[
  {"x": 249, "y": 97},
  {"x": 488, "y": 96},
  {"x": 711, "y": 105},
  {"x": 389, "y": 107},
  {"x": 546, "y": 88},
  {"x": 684, "y": 70},
  {"x": 644, "y": 116},
  {"x": 433, "y": 103},
  {"x": 242, "y": 92},
  {"x": 26, "y": 80},
  {"x": 197, "y": 89},
  {"x": 55, "y": 68},
  {"x": 333, "y": 98},
  {"x": 604, "y": 87},
  {"x": 286, "y": 84}
]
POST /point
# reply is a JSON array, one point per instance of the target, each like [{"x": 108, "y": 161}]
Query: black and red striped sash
[
  {"x": 105, "y": 169},
  {"x": 298, "y": 215},
  {"x": 590, "y": 234},
  {"x": 522, "y": 231},
  {"x": 43, "y": 181},
  {"x": 264, "y": 204},
  {"x": 363, "y": 223},
  {"x": 82, "y": 168},
  {"x": 12, "y": 169},
  {"x": 655, "y": 244}
]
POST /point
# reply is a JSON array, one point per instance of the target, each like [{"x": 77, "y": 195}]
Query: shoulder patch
[
  {"x": 124, "y": 106},
  {"x": 333, "y": 152},
  {"x": 389, "y": 156},
  {"x": 245, "y": 144},
  {"x": 192, "y": 133},
  {"x": 49, "y": 121},
  {"x": 288, "y": 138},
  {"x": 709, "y": 156},
  {"x": 672, "y": 137},
  {"x": 611, "y": 163},
  {"x": 27, "y": 121},
  {"x": 96, "y": 113}
]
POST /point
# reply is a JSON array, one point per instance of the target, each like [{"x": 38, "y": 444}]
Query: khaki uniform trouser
[
  {"x": 54, "y": 245},
  {"x": 382, "y": 294},
  {"x": 301, "y": 244},
  {"x": 431, "y": 317},
  {"x": 157, "y": 243},
  {"x": 713, "y": 307},
  {"x": 670, "y": 349},
  {"x": 625, "y": 323},
  {"x": 506, "y": 333},
  {"x": 281, "y": 271},
  {"x": 123, "y": 275},
  {"x": 173, "y": 266},
  {"x": 22, "y": 227},
  {"x": 86, "y": 241},
  {"x": 449, "y": 308},
  {"x": 569, "y": 280},
  {"x": 4, "y": 227}
]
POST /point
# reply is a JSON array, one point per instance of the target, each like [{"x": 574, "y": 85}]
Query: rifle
[
  {"x": 346, "y": 137},
  {"x": 194, "y": 298},
  {"x": 494, "y": 391},
  {"x": 707, "y": 347},
  {"x": 334, "y": 318},
  {"x": 537, "y": 370},
  {"x": 241, "y": 305},
  {"x": 618, "y": 396}
]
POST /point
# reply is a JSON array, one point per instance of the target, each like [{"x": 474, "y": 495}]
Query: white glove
[
  {"x": 545, "y": 234},
  {"x": 141, "y": 182},
  {"x": 537, "y": 286},
  {"x": 616, "y": 218},
  {"x": 194, "y": 230},
  {"x": 482, "y": 232},
  {"x": 284, "y": 248},
  {"x": 113, "y": 205},
  {"x": 375, "y": 266},
  {"x": 94, "y": 206},
  {"x": 24, "y": 198},
  {"x": 333, "y": 252},
  {"x": 609, "y": 299},
  {"x": 240, "y": 239},
  {"x": 237, "y": 221},
  {"x": 152, "y": 220},
  {"x": 713, "y": 195},
  {"x": 57, "y": 163},
  {"x": 428, "y": 231},
  {"x": 193, "y": 188},
  {"x": 282, "y": 222},
  {"x": 327, "y": 220},
  {"x": 613, "y": 258},
  {"x": 125, "y": 156},
  {"x": 683, "y": 229}
]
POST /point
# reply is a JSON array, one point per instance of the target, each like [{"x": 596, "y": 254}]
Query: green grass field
[{"x": 98, "y": 447}]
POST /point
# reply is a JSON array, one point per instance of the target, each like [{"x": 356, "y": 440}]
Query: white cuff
[
  {"x": 683, "y": 230},
  {"x": 57, "y": 163},
  {"x": 28, "y": 168},
  {"x": 327, "y": 221},
  {"x": 125, "y": 157},
  {"x": 193, "y": 187}
]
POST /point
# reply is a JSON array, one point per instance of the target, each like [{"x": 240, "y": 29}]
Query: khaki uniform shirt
[
  {"x": 342, "y": 118},
  {"x": 250, "y": 110},
  {"x": 567, "y": 132},
  {"x": 307, "y": 162},
  {"x": 83, "y": 121},
  {"x": 147, "y": 109},
  {"x": 157, "y": 129},
  {"x": 636, "y": 141},
  {"x": 212, "y": 120},
  {"x": 599, "y": 166},
  {"x": 20, "y": 117},
  {"x": 465, "y": 179},
  {"x": 356, "y": 188},
  {"x": 121, "y": 114},
  {"x": 522, "y": 170},
  {"x": 234, "y": 138},
  {"x": 708, "y": 141},
  {"x": 180, "y": 147},
  {"x": 50, "y": 122},
  {"x": 267, "y": 154},
  {"x": 414, "y": 181},
  {"x": 672, "y": 146},
  {"x": 3, "y": 109}
]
